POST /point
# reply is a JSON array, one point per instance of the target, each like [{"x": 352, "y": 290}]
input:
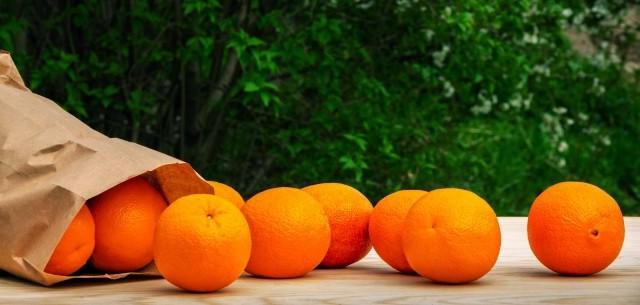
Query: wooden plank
[{"x": 517, "y": 278}]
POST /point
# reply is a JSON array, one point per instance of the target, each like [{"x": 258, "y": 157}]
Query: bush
[{"x": 381, "y": 95}]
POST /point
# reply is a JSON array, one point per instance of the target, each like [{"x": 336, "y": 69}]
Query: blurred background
[{"x": 500, "y": 97}]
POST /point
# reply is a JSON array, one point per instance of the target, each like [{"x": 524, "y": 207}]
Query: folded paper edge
[
  {"x": 9, "y": 74},
  {"x": 48, "y": 280}
]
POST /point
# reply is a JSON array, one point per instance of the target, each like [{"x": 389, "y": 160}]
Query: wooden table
[{"x": 517, "y": 278}]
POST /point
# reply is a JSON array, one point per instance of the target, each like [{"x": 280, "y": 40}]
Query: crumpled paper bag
[{"x": 50, "y": 164}]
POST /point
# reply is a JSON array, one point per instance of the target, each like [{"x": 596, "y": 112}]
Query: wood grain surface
[{"x": 517, "y": 278}]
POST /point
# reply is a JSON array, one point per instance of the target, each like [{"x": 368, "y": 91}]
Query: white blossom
[
  {"x": 563, "y": 146},
  {"x": 583, "y": 116},
  {"x": 530, "y": 38},
  {"x": 447, "y": 11},
  {"x": 600, "y": 8},
  {"x": 527, "y": 101},
  {"x": 483, "y": 108},
  {"x": 449, "y": 90},
  {"x": 403, "y": 5},
  {"x": 592, "y": 130},
  {"x": 542, "y": 69},
  {"x": 562, "y": 162},
  {"x": 440, "y": 56},
  {"x": 614, "y": 58},
  {"x": 428, "y": 34},
  {"x": 578, "y": 19},
  {"x": 518, "y": 102},
  {"x": 363, "y": 5},
  {"x": 485, "y": 104},
  {"x": 560, "y": 110}
]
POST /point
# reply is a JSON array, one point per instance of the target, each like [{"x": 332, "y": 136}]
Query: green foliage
[{"x": 381, "y": 95}]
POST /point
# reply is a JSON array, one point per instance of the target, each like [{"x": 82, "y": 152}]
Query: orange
[
  {"x": 348, "y": 211},
  {"x": 227, "y": 192},
  {"x": 386, "y": 225},
  {"x": 575, "y": 228},
  {"x": 289, "y": 231},
  {"x": 451, "y": 236},
  {"x": 75, "y": 247},
  {"x": 125, "y": 218},
  {"x": 202, "y": 243}
]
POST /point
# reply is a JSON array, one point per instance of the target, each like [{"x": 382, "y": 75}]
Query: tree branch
[{"x": 224, "y": 81}]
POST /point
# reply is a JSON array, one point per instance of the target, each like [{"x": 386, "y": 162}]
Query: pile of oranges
[{"x": 203, "y": 242}]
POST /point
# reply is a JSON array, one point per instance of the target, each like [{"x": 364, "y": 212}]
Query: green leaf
[
  {"x": 250, "y": 86},
  {"x": 357, "y": 139},
  {"x": 265, "y": 98}
]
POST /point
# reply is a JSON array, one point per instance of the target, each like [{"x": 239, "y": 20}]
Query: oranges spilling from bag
[
  {"x": 451, "y": 236},
  {"x": 386, "y": 227},
  {"x": 575, "y": 228},
  {"x": 202, "y": 243},
  {"x": 348, "y": 211},
  {"x": 75, "y": 247},
  {"x": 290, "y": 233},
  {"x": 125, "y": 218}
]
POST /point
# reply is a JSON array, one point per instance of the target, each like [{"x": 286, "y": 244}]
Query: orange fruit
[
  {"x": 348, "y": 211},
  {"x": 75, "y": 247},
  {"x": 386, "y": 225},
  {"x": 202, "y": 243},
  {"x": 227, "y": 192},
  {"x": 451, "y": 236},
  {"x": 289, "y": 231},
  {"x": 125, "y": 218},
  {"x": 575, "y": 228}
]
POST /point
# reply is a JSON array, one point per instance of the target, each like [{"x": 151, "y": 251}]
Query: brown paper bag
[{"x": 50, "y": 164}]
